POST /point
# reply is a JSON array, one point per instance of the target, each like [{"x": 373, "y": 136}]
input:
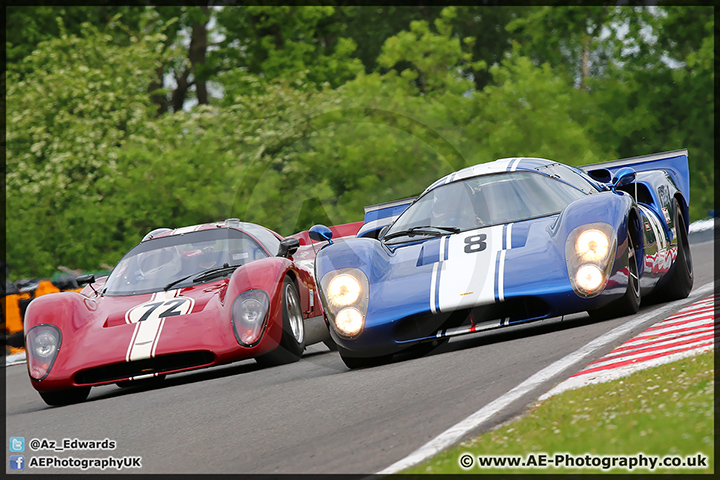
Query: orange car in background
[{"x": 14, "y": 306}]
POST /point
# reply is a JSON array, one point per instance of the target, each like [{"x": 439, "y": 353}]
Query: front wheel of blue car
[
  {"x": 292, "y": 342},
  {"x": 630, "y": 302},
  {"x": 361, "y": 362}
]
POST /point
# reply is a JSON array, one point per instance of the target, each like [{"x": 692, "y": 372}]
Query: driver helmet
[
  {"x": 451, "y": 206},
  {"x": 162, "y": 262},
  {"x": 446, "y": 204},
  {"x": 208, "y": 258}
]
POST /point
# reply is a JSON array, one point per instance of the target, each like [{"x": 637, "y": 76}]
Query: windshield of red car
[
  {"x": 487, "y": 200},
  {"x": 155, "y": 263}
]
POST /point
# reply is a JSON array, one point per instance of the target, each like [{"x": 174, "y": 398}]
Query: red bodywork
[{"x": 98, "y": 339}]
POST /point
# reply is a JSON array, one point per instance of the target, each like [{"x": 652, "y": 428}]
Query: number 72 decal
[{"x": 157, "y": 309}]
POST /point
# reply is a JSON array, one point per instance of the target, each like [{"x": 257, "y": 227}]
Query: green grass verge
[{"x": 664, "y": 410}]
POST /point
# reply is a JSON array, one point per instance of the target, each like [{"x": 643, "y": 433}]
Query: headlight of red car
[
  {"x": 42, "y": 345},
  {"x": 249, "y": 315}
]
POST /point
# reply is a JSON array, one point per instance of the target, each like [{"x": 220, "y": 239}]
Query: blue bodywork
[{"x": 522, "y": 275}]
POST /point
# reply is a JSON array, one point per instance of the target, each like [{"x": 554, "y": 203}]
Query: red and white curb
[{"x": 683, "y": 334}]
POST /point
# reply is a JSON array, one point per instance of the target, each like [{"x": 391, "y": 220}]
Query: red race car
[{"x": 179, "y": 300}]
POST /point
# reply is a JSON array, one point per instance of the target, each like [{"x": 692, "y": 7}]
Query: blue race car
[{"x": 510, "y": 241}]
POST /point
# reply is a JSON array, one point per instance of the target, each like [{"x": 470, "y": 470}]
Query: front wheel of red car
[
  {"x": 292, "y": 342},
  {"x": 65, "y": 397}
]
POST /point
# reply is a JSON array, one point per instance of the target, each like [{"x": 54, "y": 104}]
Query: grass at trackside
[{"x": 664, "y": 410}]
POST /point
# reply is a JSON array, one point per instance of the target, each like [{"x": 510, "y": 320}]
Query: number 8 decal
[{"x": 475, "y": 243}]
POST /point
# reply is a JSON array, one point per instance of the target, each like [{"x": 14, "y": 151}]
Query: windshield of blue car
[
  {"x": 156, "y": 263},
  {"x": 484, "y": 201}
]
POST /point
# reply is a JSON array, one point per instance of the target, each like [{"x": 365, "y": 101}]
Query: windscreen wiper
[
  {"x": 203, "y": 275},
  {"x": 422, "y": 230}
]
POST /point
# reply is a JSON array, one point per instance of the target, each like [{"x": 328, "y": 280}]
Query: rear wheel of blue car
[
  {"x": 292, "y": 342},
  {"x": 353, "y": 362},
  {"x": 65, "y": 397},
  {"x": 630, "y": 302},
  {"x": 681, "y": 279}
]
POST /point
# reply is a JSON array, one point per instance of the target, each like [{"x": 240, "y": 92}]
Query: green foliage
[
  {"x": 28, "y": 26},
  {"x": 320, "y": 111},
  {"x": 69, "y": 116},
  {"x": 531, "y": 111},
  {"x": 434, "y": 59},
  {"x": 284, "y": 42}
]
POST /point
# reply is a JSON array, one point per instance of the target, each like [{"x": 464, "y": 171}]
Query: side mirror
[
  {"x": 288, "y": 247},
  {"x": 320, "y": 233},
  {"x": 84, "y": 279},
  {"x": 383, "y": 231},
  {"x": 624, "y": 176}
]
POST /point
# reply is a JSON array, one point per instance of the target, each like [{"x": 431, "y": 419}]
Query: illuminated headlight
[
  {"x": 345, "y": 293},
  {"x": 249, "y": 313},
  {"x": 42, "y": 345},
  {"x": 343, "y": 290},
  {"x": 592, "y": 245},
  {"x": 589, "y": 278},
  {"x": 589, "y": 254},
  {"x": 349, "y": 321}
]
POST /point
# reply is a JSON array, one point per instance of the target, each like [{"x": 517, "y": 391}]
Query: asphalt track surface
[{"x": 314, "y": 416}]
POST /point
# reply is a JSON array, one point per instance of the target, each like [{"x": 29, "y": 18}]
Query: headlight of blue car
[
  {"x": 589, "y": 252},
  {"x": 346, "y": 295}
]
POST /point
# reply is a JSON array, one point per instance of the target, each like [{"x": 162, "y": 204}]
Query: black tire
[
  {"x": 65, "y": 397},
  {"x": 146, "y": 382},
  {"x": 630, "y": 302},
  {"x": 292, "y": 342},
  {"x": 331, "y": 345},
  {"x": 362, "y": 362},
  {"x": 422, "y": 349},
  {"x": 680, "y": 283}
]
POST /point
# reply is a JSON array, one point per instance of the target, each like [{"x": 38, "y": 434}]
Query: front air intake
[{"x": 161, "y": 364}]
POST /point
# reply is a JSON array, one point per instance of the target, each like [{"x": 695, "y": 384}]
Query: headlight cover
[
  {"x": 249, "y": 316},
  {"x": 345, "y": 293},
  {"x": 589, "y": 253},
  {"x": 42, "y": 345}
]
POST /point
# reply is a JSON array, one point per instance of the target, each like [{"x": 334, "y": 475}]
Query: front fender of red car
[
  {"x": 266, "y": 275},
  {"x": 70, "y": 314}
]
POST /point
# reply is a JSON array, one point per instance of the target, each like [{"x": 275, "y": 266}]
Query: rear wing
[
  {"x": 382, "y": 214},
  {"x": 674, "y": 162}
]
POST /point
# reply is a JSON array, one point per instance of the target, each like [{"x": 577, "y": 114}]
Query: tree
[
  {"x": 80, "y": 99},
  {"x": 299, "y": 43}
]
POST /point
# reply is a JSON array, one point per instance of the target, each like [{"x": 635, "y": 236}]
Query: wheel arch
[
  {"x": 684, "y": 208},
  {"x": 635, "y": 232}
]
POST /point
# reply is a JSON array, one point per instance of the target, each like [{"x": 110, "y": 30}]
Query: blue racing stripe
[
  {"x": 497, "y": 275},
  {"x": 447, "y": 247},
  {"x": 437, "y": 288}
]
